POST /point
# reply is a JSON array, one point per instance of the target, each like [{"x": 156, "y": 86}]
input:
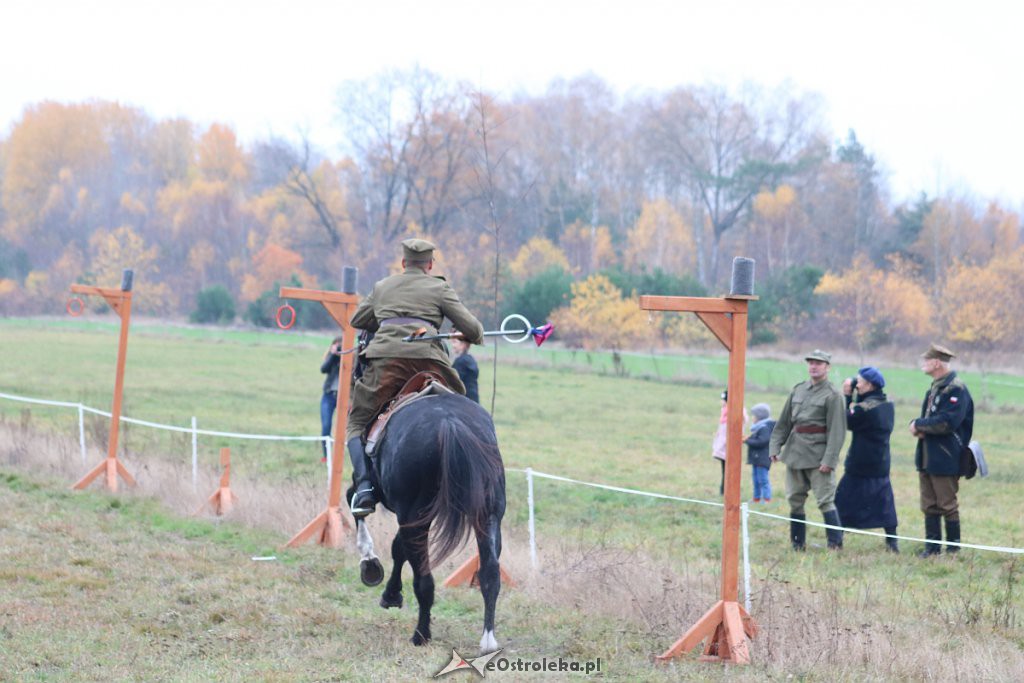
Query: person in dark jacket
[
  {"x": 467, "y": 368},
  {"x": 757, "y": 451},
  {"x": 943, "y": 431},
  {"x": 330, "y": 366},
  {"x": 864, "y": 497}
]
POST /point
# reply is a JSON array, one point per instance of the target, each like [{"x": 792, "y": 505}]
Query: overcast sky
[{"x": 933, "y": 89}]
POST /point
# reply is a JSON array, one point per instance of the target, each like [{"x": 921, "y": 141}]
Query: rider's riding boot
[
  {"x": 933, "y": 532},
  {"x": 834, "y": 536},
  {"x": 798, "y": 531},
  {"x": 364, "y": 501},
  {"x": 952, "y": 536}
]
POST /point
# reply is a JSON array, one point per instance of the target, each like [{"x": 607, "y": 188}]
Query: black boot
[
  {"x": 952, "y": 536},
  {"x": 798, "y": 531},
  {"x": 933, "y": 532},
  {"x": 364, "y": 501},
  {"x": 891, "y": 544},
  {"x": 834, "y": 536}
]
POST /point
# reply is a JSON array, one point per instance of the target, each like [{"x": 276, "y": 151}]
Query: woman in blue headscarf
[{"x": 864, "y": 496}]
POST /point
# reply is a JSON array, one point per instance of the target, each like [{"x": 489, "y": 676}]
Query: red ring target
[
  {"x": 291, "y": 321},
  {"x": 75, "y": 306}
]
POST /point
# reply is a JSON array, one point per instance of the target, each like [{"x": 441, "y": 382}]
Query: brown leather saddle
[{"x": 420, "y": 386}]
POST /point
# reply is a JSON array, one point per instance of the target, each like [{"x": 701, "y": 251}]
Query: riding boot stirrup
[{"x": 364, "y": 500}]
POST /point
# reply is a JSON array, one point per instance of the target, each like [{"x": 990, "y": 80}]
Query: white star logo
[{"x": 460, "y": 662}]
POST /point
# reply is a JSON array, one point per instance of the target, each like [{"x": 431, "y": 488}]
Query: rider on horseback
[{"x": 399, "y": 306}]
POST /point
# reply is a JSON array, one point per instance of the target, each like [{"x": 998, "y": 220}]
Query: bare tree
[{"x": 726, "y": 150}]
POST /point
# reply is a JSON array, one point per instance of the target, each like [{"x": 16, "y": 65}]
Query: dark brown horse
[{"x": 440, "y": 471}]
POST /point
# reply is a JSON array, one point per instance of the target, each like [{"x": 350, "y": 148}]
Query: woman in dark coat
[{"x": 864, "y": 497}]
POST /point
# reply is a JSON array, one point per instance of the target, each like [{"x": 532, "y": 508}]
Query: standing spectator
[
  {"x": 864, "y": 497},
  {"x": 808, "y": 438},
  {"x": 718, "y": 444},
  {"x": 330, "y": 366},
  {"x": 757, "y": 451},
  {"x": 467, "y": 368},
  {"x": 943, "y": 432}
]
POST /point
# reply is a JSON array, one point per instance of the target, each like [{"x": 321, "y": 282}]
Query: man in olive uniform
[
  {"x": 808, "y": 438},
  {"x": 942, "y": 432},
  {"x": 397, "y": 307}
]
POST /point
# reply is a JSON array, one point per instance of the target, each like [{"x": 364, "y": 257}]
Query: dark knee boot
[
  {"x": 891, "y": 544},
  {"x": 952, "y": 536},
  {"x": 798, "y": 531},
  {"x": 933, "y": 532},
  {"x": 364, "y": 501},
  {"x": 834, "y": 536}
]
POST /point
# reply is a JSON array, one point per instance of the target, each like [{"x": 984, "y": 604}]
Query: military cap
[
  {"x": 818, "y": 354},
  {"x": 940, "y": 352},
  {"x": 415, "y": 249}
]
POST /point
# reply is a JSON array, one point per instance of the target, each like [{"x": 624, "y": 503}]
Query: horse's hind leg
[
  {"x": 415, "y": 542},
  {"x": 392, "y": 596},
  {"x": 489, "y": 575}
]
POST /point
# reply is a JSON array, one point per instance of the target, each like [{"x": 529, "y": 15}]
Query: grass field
[{"x": 620, "y": 576}]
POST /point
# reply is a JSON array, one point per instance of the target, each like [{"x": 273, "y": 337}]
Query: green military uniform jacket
[
  {"x": 413, "y": 294},
  {"x": 819, "y": 409}
]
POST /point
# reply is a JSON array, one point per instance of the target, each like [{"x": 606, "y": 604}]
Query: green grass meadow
[{"x": 620, "y": 576}]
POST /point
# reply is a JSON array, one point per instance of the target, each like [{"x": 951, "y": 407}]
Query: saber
[{"x": 539, "y": 334}]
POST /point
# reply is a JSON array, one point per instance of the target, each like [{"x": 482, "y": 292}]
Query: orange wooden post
[
  {"x": 223, "y": 499},
  {"x": 121, "y": 301},
  {"x": 330, "y": 525},
  {"x": 726, "y": 626},
  {"x": 466, "y": 575}
]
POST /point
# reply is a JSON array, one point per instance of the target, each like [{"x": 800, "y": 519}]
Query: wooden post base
[
  {"x": 222, "y": 501},
  {"x": 112, "y": 467},
  {"x": 726, "y": 627},
  {"x": 466, "y": 575},
  {"x": 330, "y": 525}
]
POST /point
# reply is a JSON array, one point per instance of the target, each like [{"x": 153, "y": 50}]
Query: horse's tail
[{"x": 472, "y": 478}]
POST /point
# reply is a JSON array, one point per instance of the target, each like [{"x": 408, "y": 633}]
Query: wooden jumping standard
[
  {"x": 331, "y": 524},
  {"x": 121, "y": 301},
  {"x": 223, "y": 499},
  {"x": 726, "y": 626},
  {"x": 466, "y": 575}
]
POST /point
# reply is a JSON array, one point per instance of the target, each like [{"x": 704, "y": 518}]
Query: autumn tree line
[{"x": 561, "y": 206}]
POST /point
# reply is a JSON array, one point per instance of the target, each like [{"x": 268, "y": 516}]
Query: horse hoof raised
[
  {"x": 387, "y": 601},
  {"x": 371, "y": 572},
  {"x": 418, "y": 639}
]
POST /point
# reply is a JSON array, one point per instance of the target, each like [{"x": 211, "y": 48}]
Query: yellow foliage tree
[
  {"x": 600, "y": 317},
  {"x": 273, "y": 263},
  {"x": 220, "y": 157},
  {"x": 537, "y": 256},
  {"x": 777, "y": 215},
  {"x": 115, "y": 250},
  {"x": 660, "y": 239},
  {"x": 982, "y": 306},
  {"x": 873, "y": 306},
  {"x": 588, "y": 248}
]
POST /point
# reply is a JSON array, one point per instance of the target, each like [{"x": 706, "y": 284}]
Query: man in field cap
[
  {"x": 808, "y": 437},
  {"x": 399, "y": 306},
  {"x": 943, "y": 432}
]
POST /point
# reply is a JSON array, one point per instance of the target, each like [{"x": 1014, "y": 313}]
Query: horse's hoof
[
  {"x": 386, "y": 601},
  {"x": 371, "y": 572},
  {"x": 419, "y": 639}
]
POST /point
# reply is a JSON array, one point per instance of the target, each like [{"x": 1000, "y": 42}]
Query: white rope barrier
[
  {"x": 157, "y": 425},
  {"x": 529, "y": 472}
]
